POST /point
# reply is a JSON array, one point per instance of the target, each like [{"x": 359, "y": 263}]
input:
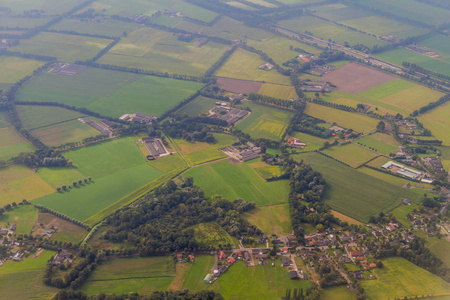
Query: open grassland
[
  {"x": 168, "y": 163},
  {"x": 33, "y": 117},
  {"x": 117, "y": 168},
  {"x": 202, "y": 265},
  {"x": 278, "y": 91},
  {"x": 352, "y": 154},
  {"x": 353, "y": 193},
  {"x": 357, "y": 122},
  {"x": 108, "y": 27},
  {"x": 381, "y": 142},
  {"x": 244, "y": 65},
  {"x": 312, "y": 142},
  {"x": 13, "y": 69},
  {"x": 24, "y": 217},
  {"x": 198, "y": 106},
  {"x": 58, "y": 176},
  {"x": 18, "y": 183},
  {"x": 264, "y": 121},
  {"x": 265, "y": 170},
  {"x": 151, "y": 49},
  {"x": 272, "y": 219},
  {"x": 401, "y": 278},
  {"x": 51, "y": 7},
  {"x": 326, "y": 30},
  {"x": 259, "y": 282},
  {"x": 439, "y": 247},
  {"x": 11, "y": 143},
  {"x": 438, "y": 121},
  {"x": 199, "y": 152},
  {"x": 126, "y": 275},
  {"x": 66, "y": 231},
  {"x": 211, "y": 234},
  {"x": 345, "y": 218},
  {"x": 30, "y": 270},
  {"x": 238, "y": 181},
  {"x": 337, "y": 293},
  {"x": 65, "y": 47},
  {"x": 66, "y": 132}
]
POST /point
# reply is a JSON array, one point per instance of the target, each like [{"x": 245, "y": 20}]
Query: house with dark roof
[
  {"x": 294, "y": 275},
  {"x": 285, "y": 262}
]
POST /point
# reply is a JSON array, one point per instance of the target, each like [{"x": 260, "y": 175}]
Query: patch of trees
[
  {"x": 308, "y": 125},
  {"x": 159, "y": 223},
  {"x": 213, "y": 91},
  {"x": 431, "y": 105},
  {"x": 105, "y": 50},
  {"x": 311, "y": 293},
  {"x": 334, "y": 105},
  {"x": 416, "y": 68},
  {"x": 286, "y": 104}
]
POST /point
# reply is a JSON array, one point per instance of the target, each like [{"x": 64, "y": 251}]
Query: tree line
[
  {"x": 286, "y": 104},
  {"x": 430, "y": 106}
]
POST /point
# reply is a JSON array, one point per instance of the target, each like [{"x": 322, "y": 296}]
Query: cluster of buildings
[
  {"x": 404, "y": 171},
  {"x": 323, "y": 69},
  {"x": 138, "y": 118},
  {"x": 242, "y": 153},
  {"x": 434, "y": 163},
  {"x": 155, "y": 147},
  {"x": 266, "y": 67},
  {"x": 230, "y": 114},
  {"x": 104, "y": 126},
  {"x": 422, "y": 50},
  {"x": 315, "y": 86},
  {"x": 296, "y": 143},
  {"x": 183, "y": 257}
]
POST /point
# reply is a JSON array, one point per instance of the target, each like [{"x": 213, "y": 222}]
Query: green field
[
  {"x": 58, "y": 176},
  {"x": 24, "y": 217},
  {"x": 312, "y": 142},
  {"x": 198, "y": 106},
  {"x": 438, "y": 122},
  {"x": 272, "y": 219},
  {"x": 445, "y": 157},
  {"x": 352, "y": 154},
  {"x": 439, "y": 247},
  {"x": 110, "y": 92},
  {"x": 264, "y": 121},
  {"x": 238, "y": 181},
  {"x": 11, "y": 143},
  {"x": 13, "y": 69},
  {"x": 66, "y": 231},
  {"x": 151, "y": 49},
  {"x": 278, "y": 91},
  {"x": 400, "y": 278},
  {"x": 201, "y": 266},
  {"x": 244, "y": 65},
  {"x": 211, "y": 234},
  {"x": 64, "y": 47},
  {"x": 34, "y": 117},
  {"x": 439, "y": 43},
  {"x": 108, "y": 27},
  {"x": 337, "y": 293},
  {"x": 387, "y": 89},
  {"x": 358, "y": 123},
  {"x": 117, "y": 168},
  {"x": 382, "y": 143},
  {"x": 51, "y": 7},
  {"x": 353, "y": 193},
  {"x": 28, "y": 23},
  {"x": 266, "y": 171}
]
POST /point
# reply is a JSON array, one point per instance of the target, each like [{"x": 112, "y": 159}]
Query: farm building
[
  {"x": 155, "y": 147},
  {"x": 229, "y": 114},
  {"x": 402, "y": 170},
  {"x": 208, "y": 278},
  {"x": 285, "y": 262},
  {"x": 296, "y": 143},
  {"x": 242, "y": 153},
  {"x": 294, "y": 275},
  {"x": 138, "y": 118}
]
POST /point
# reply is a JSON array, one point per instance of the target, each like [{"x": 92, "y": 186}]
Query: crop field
[
  {"x": 239, "y": 86},
  {"x": 198, "y": 106},
  {"x": 345, "y": 218},
  {"x": 358, "y": 123},
  {"x": 151, "y": 49},
  {"x": 24, "y": 217},
  {"x": 439, "y": 43},
  {"x": 264, "y": 121},
  {"x": 272, "y": 219},
  {"x": 312, "y": 142},
  {"x": 382, "y": 143},
  {"x": 265, "y": 170},
  {"x": 31, "y": 271},
  {"x": 59, "y": 134},
  {"x": 138, "y": 274},
  {"x": 207, "y": 234},
  {"x": 110, "y": 92},
  {"x": 108, "y": 27},
  {"x": 34, "y": 117},
  {"x": 18, "y": 183},
  {"x": 397, "y": 181},
  {"x": 351, "y": 154},
  {"x": 67, "y": 231},
  {"x": 65, "y": 47},
  {"x": 401, "y": 278},
  {"x": 325, "y": 30},
  {"x": 201, "y": 266},
  {"x": 353, "y": 193},
  {"x": 278, "y": 91},
  {"x": 387, "y": 89},
  {"x": 117, "y": 168},
  {"x": 13, "y": 69},
  {"x": 438, "y": 122},
  {"x": 199, "y": 152},
  {"x": 28, "y": 23},
  {"x": 58, "y": 176},
  {"x": 244, "y": 65},
  {"x": 238, "y": 181},
  {"x": 11, "y": 143},
  {"x": 49, "y": 6}
]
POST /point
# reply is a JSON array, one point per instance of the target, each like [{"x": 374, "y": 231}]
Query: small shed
[{"x": 208, "y": 278}]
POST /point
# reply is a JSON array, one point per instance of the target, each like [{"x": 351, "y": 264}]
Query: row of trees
[
  {"x": 157, "y": 295},
  {"x": 286, "y": 104},
  {"x": 62, "y": 216},
  {"x": 430, "y": 106}
]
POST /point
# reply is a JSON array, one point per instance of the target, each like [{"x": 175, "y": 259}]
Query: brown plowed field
[
  {"x": 238, "y": 86},
  {"x": 354, "y": 78}
]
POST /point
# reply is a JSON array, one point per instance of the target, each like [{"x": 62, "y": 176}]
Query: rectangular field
[
  {"x": 108, "y": 27},
  {"x": 12, "y": 144},
  {"x": 34, "y": 117},
  {"x": 51, "y": 7},
  {"x": 272, "y": 219},
  {"x": 198, "y": 106},
  {"x": 67, "y": 231},
  {"x": 24, "y": 217},
  {"x": 438, "y": 121},
  {"x": 13, "y": 69},
  {"x": 381, "y": 142},
  {"x": 351, "y": 154},
  {"x": 278, "y": 91}
]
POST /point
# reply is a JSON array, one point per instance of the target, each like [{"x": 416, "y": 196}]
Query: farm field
[
  {"x": 27, "y": 23},
  {"x": 401, "y": 278},
  {"x": 108, "y": 27},
  {"x": 264, "y": 121},
  {"x": 13, "y": 69},
  {"x": 49, "y": 6},
  {"x": 312, "y": 142},
  {"x": 439, "y": 43},
  {"x": 345, "y": 218},
  {"x": 358, "y": 123},
  {"x": 64, "y": 47},
  {"x": 198, "y": 106},
  {"x": 278, "y": 91},
  {"x": 18, "y": 183},
  {"x": 244, "y": 65},
  {"x": 238, "y": 85},
  {"x": 439, "y": 247},
  {"x": 400, "y": 214},
  {"x": 24, "y": 217},
  {"x": 151, "y": 49},
  {"x": 353, "y": 193},
  {"x": 238, "y": 181},
  {"x": 445, "y": 157},
  {"x": 271, "y": 219},
  {"x": 337, "y": 293},
  {"x": 212, "y": 234},
  {"x": 34, "y": 117},
  {"x": 351, "y": 154},
  {"x": 381, "y": 142},
  {"x": 201, "y": 266},
  {"x": 58, "y": 176},
  {"x": 387, "y": 89},
  {"x": 438, "y": 122},
  {"x": 400, "y": 182},
  {"x": 67, "y": 231},
  {"x": 266, "y": 171},
  {"x": 11, "y": 143}
]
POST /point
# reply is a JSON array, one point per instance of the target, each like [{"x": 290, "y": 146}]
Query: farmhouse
[
  {"x": 401, "y": 170},
  {"x": 296, "y": 143},
  {"x": 155, "y": 147},
  {"x": 242, "y": 153},
  {"x": 138, "y": 118}
]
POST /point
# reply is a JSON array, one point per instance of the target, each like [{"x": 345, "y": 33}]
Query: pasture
[
  {"x": 27, "y": 23},
  {"x": 357, "y": 122},
  {"x": 13, "y": 69},
  {"x": 198, "y": 106},
  {"x": 64, "y": 47},
  {"x": 397, "y": 181},
  {"x": 239, "y": 86},
  {"x": 238, "y": 181},
  {"x": 11, "y": 143},
  {"x": 266, "y": 171},
  {"x": 34, "y": 117},
  {"x": 337, "y": 293},
  {"x": 438, "y": 122},
  {"x": 264, "y": 121},
  {"x": 201, "y": 266},
  {"x": 352, "y": 154},
  {"x": 278, "y": 91},
  {"x": 24, "y": 217},
  {"x": 243, "y": 64},
  {"x": 401, "y": 278},
  {"x": 400, "y": 213},
  {"x": 387, "y": 89},
  {"x": 445, "y": 157},
  {"x": 353, "y": 193},
  {"x": 18, "y": 182},
  {"x": 58, "y": 176},
  {"x": 381, "y": 142},
  {"x": 211, "y": 234},
  {"x": 108, "y": 27},
  {"x": 150, "y": 49},
  {"x": 66, "y": 231},
  {"x": 271, "y": 219}
]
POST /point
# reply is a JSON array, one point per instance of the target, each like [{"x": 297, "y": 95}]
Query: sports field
[
  {"x": 264, "y": 121},
  {"x": 108, "y": 27},
  {"x": 244, "y": 65},
  {"x": 357, "y": 122},
  {"x": 24, "y": 217},
  {"x": 11, "y": 143},
  {"x": 278, "y": 91},
  {"x": 353, "y": 193},
  {"x": 211, "y": 234},
  {"x": 437, "y": 120},
  {"x": 238, "y": 181},
  {"x": 151, "y": 49},
  {"x": 13, "y": 69},
  {"x": 64, "y": 47},
  {"x": 400, "y": 278},
  {"x": 351, "y": 154},
  {"x": 34, "y": 117},
  {"x": 198, "y": 106},
  {"x": 382, "y": 143},
  {"x": 271, "y": 219}
]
